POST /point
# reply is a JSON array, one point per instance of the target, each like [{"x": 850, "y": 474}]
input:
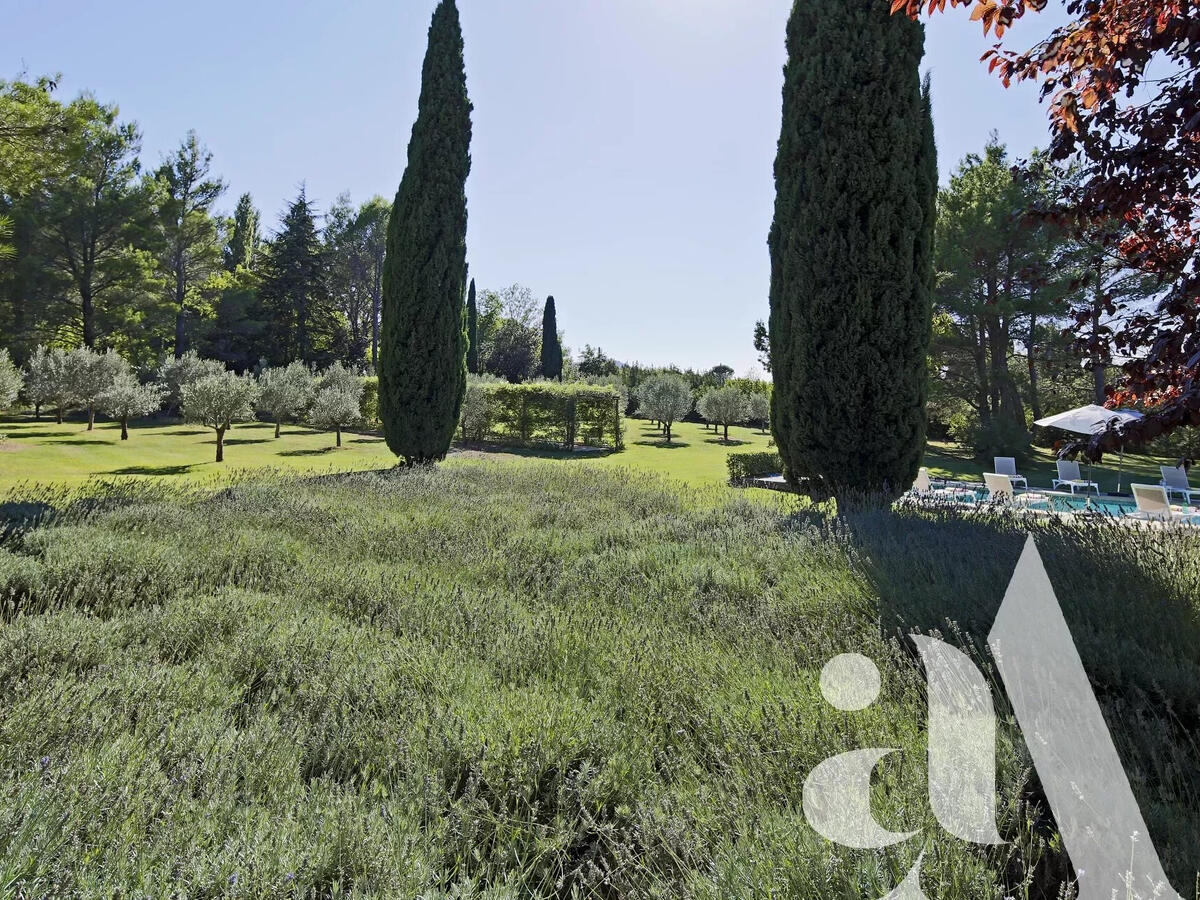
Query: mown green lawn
[
  {"x": 695, "y": 455},
  {"x": 43, "y": 452},
  {"x": 526, "y": 680}
]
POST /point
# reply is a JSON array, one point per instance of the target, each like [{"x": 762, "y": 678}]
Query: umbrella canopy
[
  {"x": 1088, "y": 419},
  {"x": 1092, "y": 420}
]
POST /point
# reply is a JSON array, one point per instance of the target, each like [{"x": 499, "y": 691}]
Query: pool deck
[
  {"x": 1062, "y": 504},
  {"x": 972, "y": 496}
]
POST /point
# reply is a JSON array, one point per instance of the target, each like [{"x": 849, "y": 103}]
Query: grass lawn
[
  {"x": 520, "y": 681},
  {"x": 43, "y": 452},
  {"x": 695, "y": 456}
]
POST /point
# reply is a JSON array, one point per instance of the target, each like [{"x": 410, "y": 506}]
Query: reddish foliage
[{"x": 1123, "y": 81}]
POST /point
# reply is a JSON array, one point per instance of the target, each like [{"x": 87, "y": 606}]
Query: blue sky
[{"x": 622, "y": 152}]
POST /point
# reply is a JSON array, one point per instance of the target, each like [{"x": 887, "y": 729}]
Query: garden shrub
[
  {"x": 536, "y": 680},
  {"x": 744, "y": 466},
  {"x": 476, "y": 419},
  {"x": 565, "y": 415}
]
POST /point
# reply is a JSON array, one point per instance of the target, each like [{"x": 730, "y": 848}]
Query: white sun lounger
[
  {"x": 1175, "y": 481},
  {"x": 1007, "y": 465},
  {"x": 1000, "y": 489},
  {"x": 923, "y": 487},
  {"x": 1069, "y": 477},
  {"x": 1152, "y": 503}
]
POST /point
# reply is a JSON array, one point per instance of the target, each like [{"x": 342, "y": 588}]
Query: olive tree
[
  {"x": 724, "y": 406},
  {"x": 759, "y": 409},
  {"x": 127, "y": 398},
  {"x": 43, "y": 372},
  {"x": 177, "y": 374},
  {"x": 285, "y": 392},
  {"x": 666, "y": 399},
  {"x": 10, "y": 381},
  {"x": 89, "y": 374},
  {"x": 336, "y": 408},
  {"x": 338, "y": 376},
  {"x": 48, "y": 380},
  {"x": 476, "y": 416},
  {"x": 217, "y": 401}
]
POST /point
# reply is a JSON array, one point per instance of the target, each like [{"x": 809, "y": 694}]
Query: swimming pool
[
  {"x": 1091, "y": 504},
  {"x": 1108, "y": 506},
  {"x": 1049, "y": 501}
]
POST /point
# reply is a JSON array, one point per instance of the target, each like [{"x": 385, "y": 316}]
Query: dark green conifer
[
  {"x": 851, "y": 248},
  {"x": 472, "y": 331},
  {"x": 243, "y": 243},
  {"x": 295, "y": 292},
  {"x": 423, "y": 352},
  {"x": 552, "y": 354}
]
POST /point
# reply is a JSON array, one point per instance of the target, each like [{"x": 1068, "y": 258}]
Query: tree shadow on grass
[
  {"x": 732, "y": 442},
  {"x": 229, "y": 442},
  {"x": 152, "y": 470},
  {"x": 32, "y": 435},
  {"x": 85, "y": 442},
  {"x": 189, "y": 432},
  {"x": 320, "y": 451},
  {"x": 490, "y": 449},
  {"x": 952, "y": 451},
  {"x": 663, "y": 445}
]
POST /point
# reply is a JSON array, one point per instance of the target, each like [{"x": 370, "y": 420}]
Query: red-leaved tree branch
[{"x": 1122, "y": 81}]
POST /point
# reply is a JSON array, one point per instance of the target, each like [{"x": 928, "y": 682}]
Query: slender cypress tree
[
  {"x": 423, "y": 366},
  {"x": 851, "y": 248},
  {"x": 243, "y": 243},
  {"x": 552, "y": 355},
  {"x": 472, "y": 331}
]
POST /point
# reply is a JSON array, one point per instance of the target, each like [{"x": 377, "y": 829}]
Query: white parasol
[{"x": 1092, "y": 419}]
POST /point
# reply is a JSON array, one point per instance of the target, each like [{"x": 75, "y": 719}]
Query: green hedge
[
  {"x": 565, "y": 415},
  {"x": 744, "y": 466}
]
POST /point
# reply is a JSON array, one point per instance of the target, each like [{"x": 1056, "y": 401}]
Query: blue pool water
[
  {"x": 1074, "y": 503},
  {"x": 1110, "y": 506},
  {"x": 1079, "y": 503}
]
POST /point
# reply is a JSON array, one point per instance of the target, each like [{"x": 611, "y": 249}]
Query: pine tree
[
  {"x": 472, "y": 331},
  {"x": 552, "y": 355},
  {"x": 423, "y": 367},
  {"x": 294, "y": 291},
  {"x": 186, "y": 191},
  {"x": 851, "y": 248}
]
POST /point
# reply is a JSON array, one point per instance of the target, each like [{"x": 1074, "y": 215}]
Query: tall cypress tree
[
  {"x": 243, "y": 243},
  {"x": 423, "y": 352},
  {"x": 552, "y": 355},
  {"x": 851, "y": 248},
  {"x": 472, "y": 331}
]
